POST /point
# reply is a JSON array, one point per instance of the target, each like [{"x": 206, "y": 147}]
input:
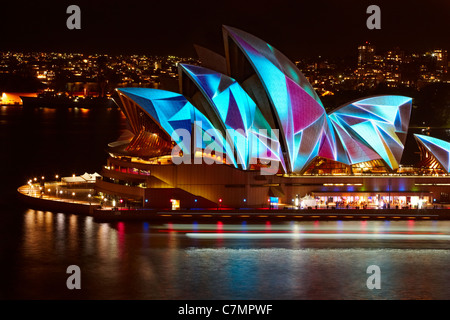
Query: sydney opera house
[{"x": 248, "y": 130}]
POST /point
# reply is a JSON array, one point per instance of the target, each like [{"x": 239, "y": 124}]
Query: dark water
[{"x": 311, "y": 260}]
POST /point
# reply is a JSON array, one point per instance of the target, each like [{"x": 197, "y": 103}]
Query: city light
[{"x": 374, "y": 66}]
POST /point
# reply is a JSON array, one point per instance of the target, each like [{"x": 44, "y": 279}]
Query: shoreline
[{"x": 232, "y": 215}]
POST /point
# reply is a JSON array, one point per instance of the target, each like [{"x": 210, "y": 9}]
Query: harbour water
[{"x": 141, "y": 260}]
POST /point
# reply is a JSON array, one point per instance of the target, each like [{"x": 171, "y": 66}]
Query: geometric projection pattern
[
  {"x": 237, "y": 112},
  {"x": 373, "y": 128},
  {"x": 168, "y": 110},
  {"x": 438, "y": 149},
  {"x": 231, "y": 105},
  {"x": 297, "y": 108},
  {"x": 292, "y": 128}
]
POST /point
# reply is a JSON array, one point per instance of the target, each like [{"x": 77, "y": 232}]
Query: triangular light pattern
[{"x": 272, "y": 96}]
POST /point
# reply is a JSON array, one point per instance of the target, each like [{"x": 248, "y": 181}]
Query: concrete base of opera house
[
  {"x": 102, "y": 214},
  {"x": 156, "y": 185}
]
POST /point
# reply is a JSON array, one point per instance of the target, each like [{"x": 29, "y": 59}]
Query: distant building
[
  {"x": 391, "y": 67},
  {"x": 366, "y": 55},
  {"x": 369, "y": 66},
  {"x": 441, "y": 57}
]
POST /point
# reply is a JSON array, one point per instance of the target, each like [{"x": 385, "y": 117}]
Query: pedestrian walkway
[{"x": 57, "y": 192}]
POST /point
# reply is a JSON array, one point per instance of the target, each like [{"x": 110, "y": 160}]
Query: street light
[{"x": 30, "y": 186}]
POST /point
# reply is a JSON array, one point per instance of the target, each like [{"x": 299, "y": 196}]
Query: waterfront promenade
[{"x": 81, "y": 201}]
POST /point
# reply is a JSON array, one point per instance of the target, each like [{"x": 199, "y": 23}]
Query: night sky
[{"x": 330, "y": 28}]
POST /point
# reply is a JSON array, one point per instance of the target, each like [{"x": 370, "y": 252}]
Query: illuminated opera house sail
[
  {"x": 264, "y": 92},
  {"x": 435, "y": 153},
  {"x": 253, "y": 108}
]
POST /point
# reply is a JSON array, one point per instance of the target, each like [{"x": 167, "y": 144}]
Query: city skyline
[
  {"x": 380, "y": 49},
  {"x": 333, "y": 29},
  {"x": 366, "y": 70}
]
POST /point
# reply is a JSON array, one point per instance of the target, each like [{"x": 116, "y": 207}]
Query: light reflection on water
[{"x": 146, "y": 261}]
